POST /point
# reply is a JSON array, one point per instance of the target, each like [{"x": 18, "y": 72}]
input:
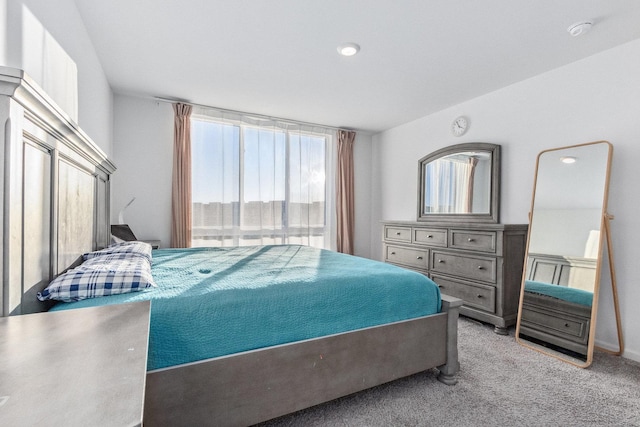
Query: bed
[
  {"x": 251, "y": 298},
  {"x": 564, "y": 293},
  {"x": 59, "y": 210},
  {"x": 557, "y": 315},
  {"x": 243, "y": 298},
  {"x": 557, "y": 302}
]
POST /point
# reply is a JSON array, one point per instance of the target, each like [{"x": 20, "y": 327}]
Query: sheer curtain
[
  {"x": 449, "y": 186},
  {"x": 260, "y": 181},
  {"x": 181, "y": 185}
]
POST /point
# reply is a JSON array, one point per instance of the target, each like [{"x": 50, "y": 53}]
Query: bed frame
[{"x": 55, "y": 206}]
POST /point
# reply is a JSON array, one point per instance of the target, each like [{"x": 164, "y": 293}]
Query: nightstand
[
  {"x": 80, "y": 367},
  {"x": 155, "y": 244}
]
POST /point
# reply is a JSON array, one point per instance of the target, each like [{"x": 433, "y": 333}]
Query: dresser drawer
[
  {"x": 412, "y": 257},
  {"x": 432, "y": 237},
  {"x": 473, "y": 294},
  {"x": 559, "y": 324},
  {"x": 396, "y": 233},
  {"x": 468, "y": 267},
  {"x": 484, "y": 241},
  {"x": 479, "y": 263}
]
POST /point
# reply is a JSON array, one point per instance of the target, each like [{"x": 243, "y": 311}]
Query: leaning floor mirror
[{"x": 569, "y": 227}]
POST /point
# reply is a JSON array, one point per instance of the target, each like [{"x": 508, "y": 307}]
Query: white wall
[
  {"x": 24, "y": 23},
  {"x": 597, "y": 98},
  {"x": 4, "y": 44},
  {"x": 565, "y": 232},
  {"x": 143, "y": 152},
  {"x": 363, "y": 190}
]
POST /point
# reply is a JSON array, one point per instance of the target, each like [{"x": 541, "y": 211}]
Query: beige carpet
[{"x": 500, "y": 384}]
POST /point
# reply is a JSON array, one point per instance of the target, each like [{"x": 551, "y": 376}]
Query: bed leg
[{"x": 448, "y": 371}]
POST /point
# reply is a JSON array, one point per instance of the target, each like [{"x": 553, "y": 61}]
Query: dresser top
[
  {"x": 458, "y": 225},
  {"x": 77, "y": 367}
]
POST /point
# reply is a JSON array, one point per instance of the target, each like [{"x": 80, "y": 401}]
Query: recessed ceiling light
[
  {"x": 568, "y": 159},
  {"x": 348, "y": 49},
  {"x": 579, "y": 28}
]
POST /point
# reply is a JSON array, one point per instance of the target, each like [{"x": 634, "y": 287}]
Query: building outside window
[{"x": 260, "y": 182}]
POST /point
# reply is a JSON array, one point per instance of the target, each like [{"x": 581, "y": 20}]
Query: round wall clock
[{"x": 459, "y": 126}]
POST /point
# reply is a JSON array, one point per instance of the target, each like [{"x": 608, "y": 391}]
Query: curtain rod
[{"x": 259, "y": 116}]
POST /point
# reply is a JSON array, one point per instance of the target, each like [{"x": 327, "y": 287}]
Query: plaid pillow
[
  {"x": 126, "y": 248},
  {"x": 107, "y": 275}
]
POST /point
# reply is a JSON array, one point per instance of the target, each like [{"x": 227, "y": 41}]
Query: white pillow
[{"x": 125, "y": 249}]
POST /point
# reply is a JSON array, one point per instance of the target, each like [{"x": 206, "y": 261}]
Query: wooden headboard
[
  {"x": 563, "y": 271},
  {"x": 55, "y": 203}
]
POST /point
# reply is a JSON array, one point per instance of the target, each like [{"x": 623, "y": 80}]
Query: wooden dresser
[
  {"x": 558, "y": 322},
  {"x": 479, "y": 263}
]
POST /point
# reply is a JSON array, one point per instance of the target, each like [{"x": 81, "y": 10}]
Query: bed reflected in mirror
[{"x": 559, "y": 295}]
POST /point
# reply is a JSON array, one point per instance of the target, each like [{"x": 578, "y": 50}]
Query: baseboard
[{"x": 627, "y": 354}]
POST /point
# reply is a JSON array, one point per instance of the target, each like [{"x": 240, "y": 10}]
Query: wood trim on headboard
[
  {"x": 571, "y": 271},
  {"x": 56, "y": 191}
]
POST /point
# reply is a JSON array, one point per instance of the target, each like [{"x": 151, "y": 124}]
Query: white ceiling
[{"x": 278, "y": 57}]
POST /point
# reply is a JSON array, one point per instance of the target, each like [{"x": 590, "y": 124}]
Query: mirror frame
[
  {"x": 493, "y": 216},
  {"x": 596, "y": 286}
]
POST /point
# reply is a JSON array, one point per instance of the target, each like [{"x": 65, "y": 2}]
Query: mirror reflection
[
  {"x": 460, "y": 181},
  {"x": 564, "y": 250}
]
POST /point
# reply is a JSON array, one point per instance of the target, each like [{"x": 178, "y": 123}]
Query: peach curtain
[
  {"x": 473, "y": 161},
  {"x": 345, "y": 212},
  {"x": 181, "y": 186}
]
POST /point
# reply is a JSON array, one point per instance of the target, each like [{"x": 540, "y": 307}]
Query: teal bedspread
[
  {"x": 216, "y": 301},
  {"x": 576, "y": 296}
]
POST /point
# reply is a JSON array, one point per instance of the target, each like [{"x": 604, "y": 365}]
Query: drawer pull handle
[
  {"x": 471, "y": 240},
  {"x": 480, "y": 296},
  {"x": 430, "y": 236},
  {"x": 393, "y": 253},
  {"x": 418, "y": 257},
  {"x": 480, "y": 267},
  {"x": 566, "y": 325},
  {"x": 398, "y": 233},
  {"x": 441, "y": 261},
  {"x": 441, "y": 287}
]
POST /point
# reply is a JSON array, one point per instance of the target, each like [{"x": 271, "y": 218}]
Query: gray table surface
[{"x": 83, "y": 367}]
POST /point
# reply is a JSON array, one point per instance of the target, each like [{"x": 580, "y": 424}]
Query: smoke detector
[{"x": 579, "y": 28}]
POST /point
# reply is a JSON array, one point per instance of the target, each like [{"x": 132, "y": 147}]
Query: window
[{"x": 258, "y": 182}]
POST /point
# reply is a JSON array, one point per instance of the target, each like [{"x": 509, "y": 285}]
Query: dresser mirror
[
  {"x": 568, "y": 224},
  {"x": 460, "y": 183}
]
